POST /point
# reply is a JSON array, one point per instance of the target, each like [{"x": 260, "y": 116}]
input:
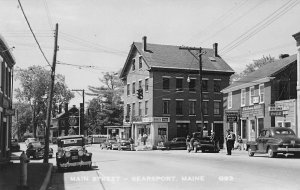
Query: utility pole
[
  {"x": 200, "y": 78},
  {"x": 50, "y": 97},
  {"x": 81, "y": 119}
]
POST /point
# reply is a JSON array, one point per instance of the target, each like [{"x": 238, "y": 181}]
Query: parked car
[
  {"x": 175, "y": 143},
  {"x": 108, "y": 144},
  {"x": 14, "y": 145},
  {"x": 29, "y": 140},
  {"x": 273, "y": 141},
  {"x": 36, "y": 150},
  {"x": 71, "y": 152},
  {"x": 124, "y": 144},
  {"x": 205, "y": 144}
]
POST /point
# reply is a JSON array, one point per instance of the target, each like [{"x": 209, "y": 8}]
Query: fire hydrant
[{"x": 23, "y": 165}]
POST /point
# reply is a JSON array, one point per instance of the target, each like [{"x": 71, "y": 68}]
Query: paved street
[{"x": 176, "y": 169}]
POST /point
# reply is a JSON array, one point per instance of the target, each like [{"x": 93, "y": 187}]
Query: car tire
[
  {"x": 271, "y": 154},
  {"x": 250, "y": 153},
  {"x": 202, "y": 150}
]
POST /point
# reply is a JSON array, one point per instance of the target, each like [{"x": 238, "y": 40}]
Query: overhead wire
[{"x": 48, "y": 15}]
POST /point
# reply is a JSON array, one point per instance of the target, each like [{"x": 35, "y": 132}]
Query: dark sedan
[
  {"x": 176, "y": 143},
  {"x": 275, "y": 140},
  {"x": 108, "y": 144},
  {"x": 14, "y": 145},
  {"x": 36, "y": 150}
]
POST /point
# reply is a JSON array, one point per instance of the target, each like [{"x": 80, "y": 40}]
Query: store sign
[
  {"x": 275, "y": 110},
  {"x": 232, "y": 116},
  {"x": 156, "y": 119},
  {"x": 257, "y": 110}
]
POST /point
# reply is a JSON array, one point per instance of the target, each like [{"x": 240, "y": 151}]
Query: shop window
[
  {"x": 182, "y": 129},
  {"x": 260, "y": 124},
  {"x": 287, "y": 124},
  {"x": 244, "y": 129}
]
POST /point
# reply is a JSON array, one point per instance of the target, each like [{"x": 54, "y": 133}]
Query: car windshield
[
  {"x": 284, "y": 132},
  {"x": 35, "y": 144},
  {"x": 71, "y": 142}
]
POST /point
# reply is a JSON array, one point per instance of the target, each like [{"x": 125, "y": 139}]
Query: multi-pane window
[
  {"x": 217, "y": 85},
  {"x": 128, "y": 110},
  {"x": 243, "y": 97},
  {"x": 1, "y": 74},
  {"x": 205, "y": 85},
  {"x": 205, "y": 107},
  {"x": 192, "y": 105},
  {"x": 252, "y": 94},
  {"x": 179, "y": 84},
  {"x": 166, "y": 83},
  {"x": 229, "y": 100},
  {"x": 128, "y": 89},
  {"x": 133, "y": 88},
  {"x": 146, "y": 85},
  {"x": 140, "y": 62},
  {"x": 140, "y": 84},
  {"x": 133, "y": 109},
  {"x": 217, "y": 107},
  {"x": 192, "y": 85},
  {"x": 140, "y": 108},
  {"x": 133, "y": 65},
  {"x": 261, "y": 93},
  {"x": 146, "y": 108},
  {"x": 179, "y": 107},
  {"x": 166, "y": 104}
]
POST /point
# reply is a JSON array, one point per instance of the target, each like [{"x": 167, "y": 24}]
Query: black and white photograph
[{"x": 149, "y": 94}]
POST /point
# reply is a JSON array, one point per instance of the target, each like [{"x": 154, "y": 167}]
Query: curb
[{"x": 47, "y": 178}]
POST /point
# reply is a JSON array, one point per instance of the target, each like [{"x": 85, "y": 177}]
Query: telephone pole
[
  {"x": 200, "y": 77},
  {"x": 50, "y": 97}
]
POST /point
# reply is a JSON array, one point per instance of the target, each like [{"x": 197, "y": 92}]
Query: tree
[
  {"x": 33, "y": 90},
  {"x": 107, "y": 107},
  {"x": 252, "y": 67}
]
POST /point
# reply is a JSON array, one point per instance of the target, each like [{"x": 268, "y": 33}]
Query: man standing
[{"x": 229, "y": 139}]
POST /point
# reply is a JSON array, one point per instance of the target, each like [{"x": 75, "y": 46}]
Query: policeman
[{"x": 229, "y": 139}]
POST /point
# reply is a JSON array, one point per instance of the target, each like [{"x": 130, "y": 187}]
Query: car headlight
[
  {"x": 60, "y": 154},
  {"x": 67, "y": 153},
  {"x": 80, "y": 153}
]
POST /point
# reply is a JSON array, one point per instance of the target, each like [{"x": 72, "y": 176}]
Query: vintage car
[
  {"x": 29, "y": 140},
  {"x": 108, "y": 144},
  {"x": 14, "y": 145},
  {"x": 175, "y": 143},
  {"x": 205, "y": 144},
  {"x": 124, "y": 145},
  {"x": 273, "y": 141},
  {"x": 71, "y": 152},
  {"x": 36, "y": 150}
]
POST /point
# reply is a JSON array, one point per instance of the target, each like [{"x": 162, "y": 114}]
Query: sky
[{"x": 94, "y": 36}]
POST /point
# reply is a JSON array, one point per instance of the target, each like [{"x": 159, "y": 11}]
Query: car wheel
[
  {"x": 271, "y": 154},
  {"x": 202, "y": 150},
  {"x": 250, "y": 153}
]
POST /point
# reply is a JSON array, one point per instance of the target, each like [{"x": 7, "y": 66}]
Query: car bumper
[
  {"x": 287, "y": 150},
  {"x": 125, "y": 147},
  {"x": 75, "y": 164}
]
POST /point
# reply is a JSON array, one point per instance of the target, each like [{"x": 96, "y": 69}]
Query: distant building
[
  {"x": 169, "y": 79},
  {"x": 7, "y": 62},
  {"x": 264, "y": 98}
]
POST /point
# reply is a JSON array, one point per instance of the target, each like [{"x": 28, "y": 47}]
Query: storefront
[{"x": 118, "y": 132}]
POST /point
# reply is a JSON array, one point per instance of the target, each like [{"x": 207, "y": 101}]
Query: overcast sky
[{"x": 97, "y": 34}]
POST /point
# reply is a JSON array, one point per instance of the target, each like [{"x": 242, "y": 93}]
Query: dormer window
[
  {"x": 140, "y": 62},
  {"x": 133, "y": 65}
]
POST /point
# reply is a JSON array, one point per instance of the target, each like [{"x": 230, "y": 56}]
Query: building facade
[
  {"x": 264, "y": 98},
  {"x": 161, "y": 92},
  {"x": 7, "y": 62}
]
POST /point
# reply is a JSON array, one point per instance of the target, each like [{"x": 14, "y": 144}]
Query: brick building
[
  {"x": 264, "y": 98},
  {"x": 169, "y": 79},
  {"x": 7, "y": 63}
]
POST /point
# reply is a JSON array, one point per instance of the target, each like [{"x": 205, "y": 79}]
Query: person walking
[
  {"x": 229, "y": 139},
  {"x": 233, "y": 139}
]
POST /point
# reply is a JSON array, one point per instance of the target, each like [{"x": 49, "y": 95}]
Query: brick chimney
[
  {"x": 145, "y": 43},
  {"x": 215, "y": 47}
]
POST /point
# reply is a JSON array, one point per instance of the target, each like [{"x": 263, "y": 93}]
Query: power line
[
  {"x": 34, "y": 35},
  {"x": 48, "y": 15}
]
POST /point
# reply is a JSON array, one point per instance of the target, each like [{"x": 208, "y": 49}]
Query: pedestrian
[
  {"x": 188, "y": 139},
  {"x": 145, "y": 138},
  {"x": 233, "y": 139},
  {"x": 240, "y": 143},
  {"x": 229, "y": 139},
  {"x": 131, "y": 143}
]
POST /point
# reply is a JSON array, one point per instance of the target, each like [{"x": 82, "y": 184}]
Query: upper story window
[
  {"x": 140, "y": 108},
  {"x": 243, "y": 97},
  {"x": 192, "y": 85},
  {"x": 140, "y": 62},
  {"x": 133, "y": 65},
  {"x": 179, "y": 84},
  {"x": 261, "y": 93},
  {"x": 133, "y": 88},
  {"x": 217, "y": 85},
  {"x": 166, "y": 104},
  {"x": 146, "y": 108},
  {"x": 252, "y": 94},
  {"x": 146, "y": 85},
  {"x": 192, "y": 105},
  {"x": 217, "y": 108},
  {"x": 128, "y": 110},
  {"x": 205, "y": 107},
  {"x": 166, "y": 83},
  {"x": 128, "y": 89},
  {"x": 229, "y": 100},
  {"x": 179, "y": 107},
  {"x": 133, "y": 109},
  {"x": 140, "y": 84},
  {"x": 205, "y": 85}
]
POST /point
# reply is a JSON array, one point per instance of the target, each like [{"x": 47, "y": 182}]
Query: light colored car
[{"x": 30, "y": 140}]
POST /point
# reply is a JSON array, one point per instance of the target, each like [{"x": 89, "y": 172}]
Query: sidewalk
[{"x": 39, "y": 175}]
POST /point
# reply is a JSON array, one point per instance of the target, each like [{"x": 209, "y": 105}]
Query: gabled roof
[
  {"x": 168, "y": 56},
  {"x": 263, "y": 74}
]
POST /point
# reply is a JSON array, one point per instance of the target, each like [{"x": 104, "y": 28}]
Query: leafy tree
[
  {"x": 106, "y": 108},
  {"x": 33, "y": 90},
  {"x": 252, "y": 67}
]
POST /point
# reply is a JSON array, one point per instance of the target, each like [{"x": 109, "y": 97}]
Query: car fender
[
  {"x": 274, "y": 147},
  {"x": 253, "y": 146}
]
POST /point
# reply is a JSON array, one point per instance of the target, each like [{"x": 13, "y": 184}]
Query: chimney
[
  {"x": 66, "y": 107},
  {"x": 145, "y": 43},
  {"x": 215, "y": 47},
  {"x": 282, "y": 56}
]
